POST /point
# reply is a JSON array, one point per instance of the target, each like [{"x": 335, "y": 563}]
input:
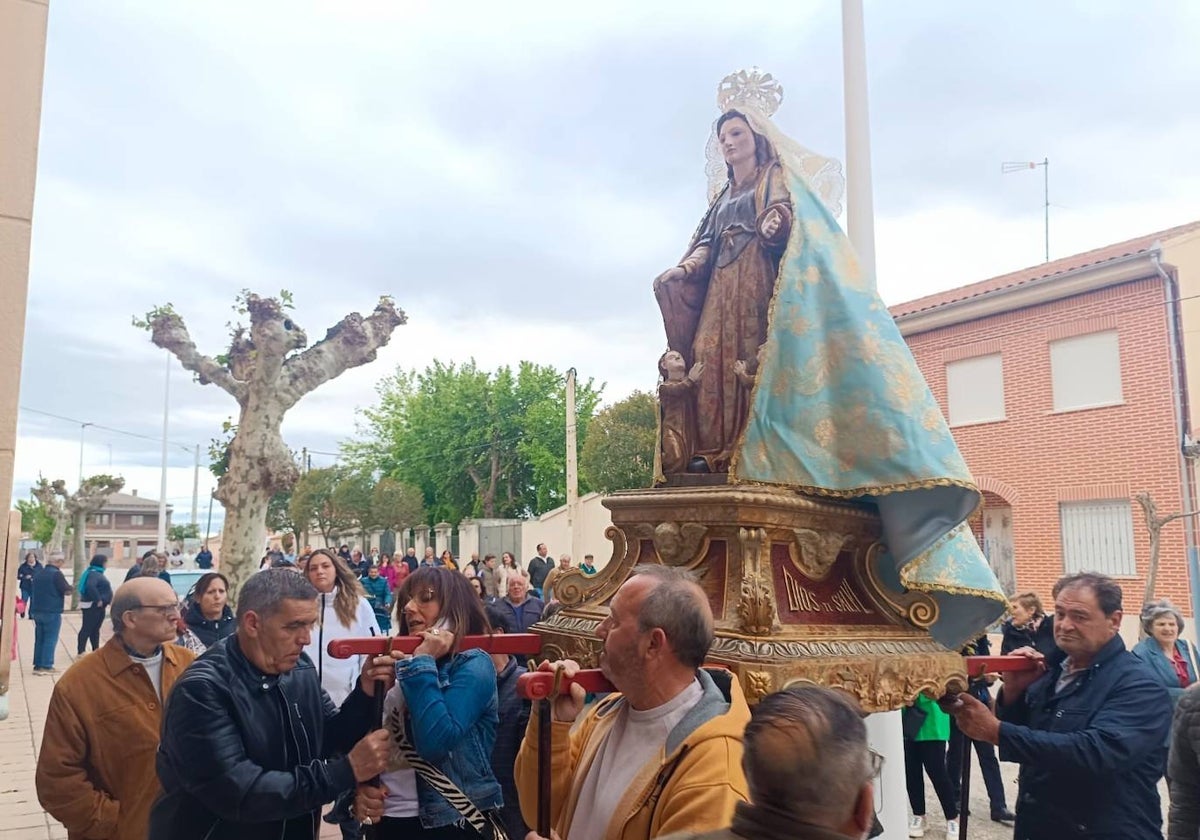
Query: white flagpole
[{"x": 883, "y": 729}]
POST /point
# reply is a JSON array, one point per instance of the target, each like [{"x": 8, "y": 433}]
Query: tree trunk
[
  {"x": 60, "y": 534},
  {"x": 259, "y": 465}
]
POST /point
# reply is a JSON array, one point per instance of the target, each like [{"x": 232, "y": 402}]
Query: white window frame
[
  {"x": 1097, "y": 536},
  {"x": 137, "y": 519},
  {"x": 1078, "y": 378},
  {"x": 964, "y": 380}
]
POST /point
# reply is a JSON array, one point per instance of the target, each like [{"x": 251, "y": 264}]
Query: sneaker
[
  {"x": 951, "y": 829},
  {"x": 916, "y": 826}
]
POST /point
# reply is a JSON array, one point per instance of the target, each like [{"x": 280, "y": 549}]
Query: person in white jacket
[{"x": 345, "y": 613}]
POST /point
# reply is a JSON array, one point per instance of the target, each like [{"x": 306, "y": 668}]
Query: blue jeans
[{"x": 45, "y": 638}]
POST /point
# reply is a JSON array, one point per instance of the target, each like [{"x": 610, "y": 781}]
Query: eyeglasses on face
[{"x": 165, "y": 610}]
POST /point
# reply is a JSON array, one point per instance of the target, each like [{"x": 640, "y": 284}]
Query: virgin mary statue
[{"x": 804, "y": 380}]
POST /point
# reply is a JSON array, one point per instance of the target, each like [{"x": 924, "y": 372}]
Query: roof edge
[{"x": 1042, "y": 290}]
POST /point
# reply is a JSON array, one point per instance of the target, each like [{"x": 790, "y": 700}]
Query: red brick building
[{"x": 1065, "y": 387}]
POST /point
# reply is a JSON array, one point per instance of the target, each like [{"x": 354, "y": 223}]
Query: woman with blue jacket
[
  {"x": 442, "y": 714},
  {"x": 1172, "y": 659}
]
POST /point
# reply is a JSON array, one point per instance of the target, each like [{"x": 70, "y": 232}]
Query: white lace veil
[{"x": 757, "y": 95}]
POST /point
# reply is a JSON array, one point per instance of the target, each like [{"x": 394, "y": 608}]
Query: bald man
[{"x": 95, "y": 773}]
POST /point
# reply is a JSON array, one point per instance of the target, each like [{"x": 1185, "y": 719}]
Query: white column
[
  {"x": 883, "y": 729},
  {"x": 860, "y": 205},
  {"x": 572, "y": 471},
  {"x": 162, "y": 485}
]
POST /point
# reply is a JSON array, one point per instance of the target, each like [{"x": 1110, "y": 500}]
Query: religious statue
[{"x": 807, "y": 383}]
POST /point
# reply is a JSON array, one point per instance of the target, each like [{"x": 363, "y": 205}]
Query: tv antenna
[{"x": 1008, "y": 167}]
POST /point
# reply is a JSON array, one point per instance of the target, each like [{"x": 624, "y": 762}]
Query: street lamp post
[{"x": 82, "y": 429}]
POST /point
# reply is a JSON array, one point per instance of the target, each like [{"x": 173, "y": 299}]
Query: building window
[
  {"x": 100, "y": 519},
  {"x": 1098, "y": 537},
  {"x": 137, "y": 519},
  {"x": 975, "y": 390},
  {"x": 1086, "y": 371}
]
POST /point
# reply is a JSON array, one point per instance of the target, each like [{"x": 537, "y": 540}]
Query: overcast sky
[{"x": 516, "y": 174}]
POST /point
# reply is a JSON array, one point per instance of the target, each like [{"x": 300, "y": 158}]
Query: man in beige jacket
[{"x": 95, "y": 772}]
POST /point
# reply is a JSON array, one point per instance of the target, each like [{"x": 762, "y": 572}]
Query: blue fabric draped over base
[{"x": 840, "y": 409}]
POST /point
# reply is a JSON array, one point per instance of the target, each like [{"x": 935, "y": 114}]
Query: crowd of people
[
  {"x": 202, "y": 720},
  {"x": 256, "y": 733}
]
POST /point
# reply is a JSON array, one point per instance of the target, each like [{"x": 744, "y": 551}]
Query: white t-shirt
[
  {"x": 399, "y": 779},
  {"x": 635, "y": 739}
]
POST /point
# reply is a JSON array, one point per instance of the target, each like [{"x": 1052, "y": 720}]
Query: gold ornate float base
[{"x": 794, "y": 586}]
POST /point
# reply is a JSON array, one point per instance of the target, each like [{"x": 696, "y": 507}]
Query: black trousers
[
  {"x": 923, "y": 758},
  {"x": 988, "y": 766},
  {"x": 406, "y": 828},
  {"x": 89, "y": 628}
]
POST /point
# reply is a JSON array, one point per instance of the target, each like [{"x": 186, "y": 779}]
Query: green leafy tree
[
  {"x": 179, "y": 533},
  {"x": 476, "y": 443},
  {"x": 279, "y": 516},
  {"x": 396, "y": 506},
  {"x": 35, "y": 521},
  {"x": 619, "y": 451},
  {"x": 314, "y": 501},
  {"x": 352, "y": 498}
]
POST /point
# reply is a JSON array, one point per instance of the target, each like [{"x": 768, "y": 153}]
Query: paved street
[{"x": 22, "y": 818}]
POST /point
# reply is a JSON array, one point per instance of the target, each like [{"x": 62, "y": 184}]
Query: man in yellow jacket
[
  {"x": 95, "y": 771},
  {"x": 663, "y": 755}
]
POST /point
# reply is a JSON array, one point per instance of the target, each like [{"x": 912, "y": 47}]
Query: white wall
[{"x": 551, "y": 528}]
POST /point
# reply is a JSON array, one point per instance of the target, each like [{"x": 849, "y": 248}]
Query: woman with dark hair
[
  {"x": 447, "y": 560},
  {"x": 1027, "y": 625},
  {"x": 387, "y": 571},
  {"x": 25, "y": 573},
  {"x": 95, "y": 594},
  {"x": 208, "y": 614},
  {"x": 345, "y": 613},
  {"x": 476, "y": 585},
  {"x": 508, "y": 567},
  {"x": 442, "y": 714}
]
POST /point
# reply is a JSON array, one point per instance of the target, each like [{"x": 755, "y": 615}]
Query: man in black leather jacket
[{"x": 248, "y": 728}]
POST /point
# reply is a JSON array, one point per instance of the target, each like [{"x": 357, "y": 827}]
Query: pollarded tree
[
  {"x": 52, "y": 496},
  {"x": 267, "y": 370},
  {"x": 74, "y": 508}
]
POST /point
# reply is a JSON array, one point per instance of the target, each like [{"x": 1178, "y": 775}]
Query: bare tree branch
[
  {"x": 351, "y": 342},
  {"x": 168, "y": 331},
  {"x": 1175, "y": 516}
]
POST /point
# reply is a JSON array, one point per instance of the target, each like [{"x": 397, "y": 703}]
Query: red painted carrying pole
[
  {"x": 977, "y": 666},
  {"x": 510, "y": 643}
]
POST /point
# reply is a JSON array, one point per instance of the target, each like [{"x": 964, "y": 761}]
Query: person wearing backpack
[{"x": 95, "y": 594}]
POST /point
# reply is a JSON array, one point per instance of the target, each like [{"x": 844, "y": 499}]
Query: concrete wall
[
  {"x": 551, "y": 528},
  {"x": 22, "y": 64},
  {"x": 1036, "y": 458}
]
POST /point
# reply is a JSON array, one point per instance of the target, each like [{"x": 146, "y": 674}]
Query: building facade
[
  {"x": 125, "y": 528},
  {"x": 1065, "y": 388}
]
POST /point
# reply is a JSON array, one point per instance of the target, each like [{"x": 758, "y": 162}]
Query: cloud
[{"x": 516, "y": 176}]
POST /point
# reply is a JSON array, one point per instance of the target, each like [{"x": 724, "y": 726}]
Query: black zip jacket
[{"x": 243, "y": 754}]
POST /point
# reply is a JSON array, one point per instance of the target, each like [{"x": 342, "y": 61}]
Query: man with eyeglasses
[{"x": 95, "y": 772}]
